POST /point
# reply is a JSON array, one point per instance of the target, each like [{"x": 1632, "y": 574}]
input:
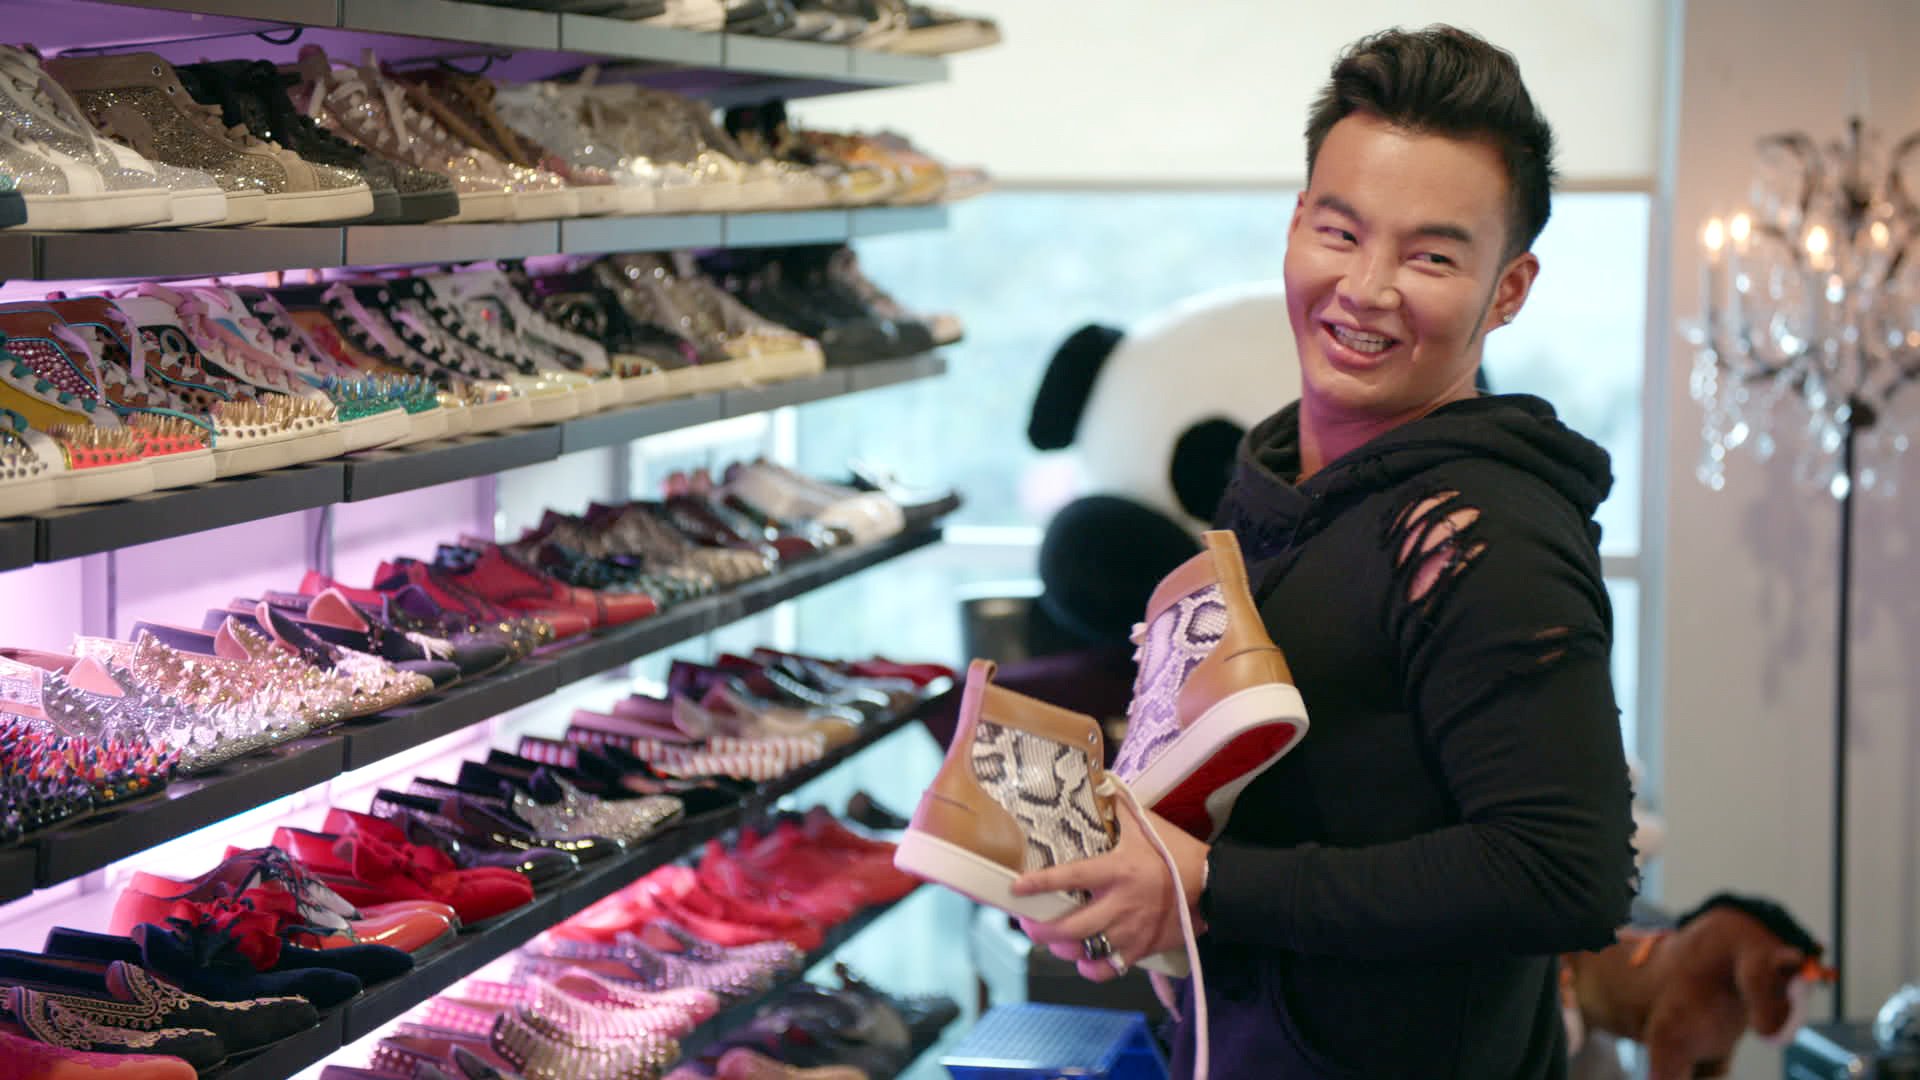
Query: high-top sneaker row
[
  {"x": 166, "y": 385},
  {"x": 130, "y": 140},
  {"x": 896, "y": 26},
  {"x": 821, "y": 291}
]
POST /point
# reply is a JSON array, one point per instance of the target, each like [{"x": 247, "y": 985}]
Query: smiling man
[{"x": 1389, "y": 899}]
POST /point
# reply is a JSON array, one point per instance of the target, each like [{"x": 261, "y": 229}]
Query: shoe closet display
[{"x": 622, "y": 885}]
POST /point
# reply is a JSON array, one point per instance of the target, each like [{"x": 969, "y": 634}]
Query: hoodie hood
[{"x": 1266, "y": 506}]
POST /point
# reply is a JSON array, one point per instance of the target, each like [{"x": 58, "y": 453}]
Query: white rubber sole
[
  {"x": 424, "y": 427},
  {"x": 243, "y": 208},
  {"x": 930, "y": 858},
  {"x": 101, "y": 210},
  {"x": 1230, "y": 718},
  {"x": 483, "y": 206},
  {"x": 597, "y": 199},
  {"x": 28, "y": 496},
  {"x": 545, "y": 205},
  {"x": 788, "y": 364},
  {"x": 499, "y": 415},
  {"x": 195, "y": 206},
  {"x": 639, "y": 389},
  {"x": 637, "y": 199},
  {"x": 332, "y": 204},
  {"x": 252, "y": 456},
  {"x": 317, "y": 446},
  {"x": 942, "y": 862},
  {"x": 697, "y": 198},
  {"x": 727, "y": 374},
  {"x": 551, "y": 408},
  {"x": 943, "y": 40},
  {"x": 182, "y": 469},
  {"x": 380, "y": 429},
  {"x": 104, "y": 484},
  {"x": 459, "y": 421}
]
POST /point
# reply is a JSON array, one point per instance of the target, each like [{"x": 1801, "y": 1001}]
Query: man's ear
[{"x": 1511, "y": 291}]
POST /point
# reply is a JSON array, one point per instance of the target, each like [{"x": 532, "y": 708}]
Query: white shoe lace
[
  {"x": 197, "y": 318},
  {"x": 1112, "y": 787}
]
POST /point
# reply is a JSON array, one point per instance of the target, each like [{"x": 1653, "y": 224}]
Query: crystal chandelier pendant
[{"x": 1810, "y": 313}]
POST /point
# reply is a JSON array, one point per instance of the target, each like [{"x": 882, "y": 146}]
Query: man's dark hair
[{"x": 1446, "y": 81}]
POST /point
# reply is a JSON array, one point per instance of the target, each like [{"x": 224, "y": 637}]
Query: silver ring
[
  {"x": 1096, "y": 947},
  {"x": 1119, "y": 963}
]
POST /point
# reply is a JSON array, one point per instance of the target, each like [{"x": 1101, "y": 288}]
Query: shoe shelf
[
  {"x": 475, "y": 949},
  {"x": 17, "y": 539},
  {"x": 741, "y": 1014},
  {"x": 523, "y": 44},
  {"x": 377, "y": 473},
  {"x": 187, "y": 253},
  {"x": 70, "y": 532},
  {"x": 71, "y": 849}
]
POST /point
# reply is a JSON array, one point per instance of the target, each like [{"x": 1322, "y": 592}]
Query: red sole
[{"x": 1186, "y": 804}]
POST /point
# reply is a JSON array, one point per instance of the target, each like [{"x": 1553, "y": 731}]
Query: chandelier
[{"x": 1810, "y": 314}]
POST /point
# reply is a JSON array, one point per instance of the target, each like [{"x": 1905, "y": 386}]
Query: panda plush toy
[{"x": 1153, "y": 416}]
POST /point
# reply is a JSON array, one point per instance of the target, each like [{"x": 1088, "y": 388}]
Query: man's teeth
[{"x": 1361, "y": 341}]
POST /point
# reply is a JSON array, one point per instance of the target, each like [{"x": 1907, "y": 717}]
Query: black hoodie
[{"x": 1389, "y": 899}]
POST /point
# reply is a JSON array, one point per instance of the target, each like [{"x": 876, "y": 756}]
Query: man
[{"x": 1388, "y": 900}]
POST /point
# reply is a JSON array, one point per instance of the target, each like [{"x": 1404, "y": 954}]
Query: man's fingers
[{"x": 1096, "y": 970}]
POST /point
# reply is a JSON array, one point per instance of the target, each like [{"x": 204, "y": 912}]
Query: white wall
[
  {"x": 1184, "y": 91},
  {"x": 1750, "y": 601}
]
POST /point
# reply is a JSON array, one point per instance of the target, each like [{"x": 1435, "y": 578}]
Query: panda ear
[
  {"x": 1202, "y": 464},
  {"x": 1067, "y": 384}
]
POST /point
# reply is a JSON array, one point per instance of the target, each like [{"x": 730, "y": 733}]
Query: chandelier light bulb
[
  {"x": 1880, "y": 236},
  {"x": 1714, "y": 236},
  {"x": 1741, "y": 230},
  {"x": 1818, "y": 242}
]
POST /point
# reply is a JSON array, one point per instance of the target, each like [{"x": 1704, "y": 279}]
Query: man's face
[{"x": 1395, "y": 269}]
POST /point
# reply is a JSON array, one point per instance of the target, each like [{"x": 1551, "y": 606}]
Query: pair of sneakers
[
  {"x": 139, "y": 100},
  {"x": 1023, "y": 786},
  {"x": 68, "y": 177}
]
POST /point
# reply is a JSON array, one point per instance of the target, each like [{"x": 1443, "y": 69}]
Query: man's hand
[{"x": 1134, "y": 902}]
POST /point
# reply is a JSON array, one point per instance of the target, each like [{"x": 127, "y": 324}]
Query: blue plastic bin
[{"x": 1052, "y": 1042}]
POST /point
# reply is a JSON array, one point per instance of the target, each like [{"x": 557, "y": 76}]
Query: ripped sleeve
[{"x": 1501, "y": 628}]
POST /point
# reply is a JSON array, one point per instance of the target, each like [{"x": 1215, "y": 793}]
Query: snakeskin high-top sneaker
[
  {"x": 1019, "y": 791},
  {"x": 1213, "y": 704}
]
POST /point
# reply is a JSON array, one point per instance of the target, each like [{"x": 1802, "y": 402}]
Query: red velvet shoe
[
  {"x": 364, "y": 870},
  {"x": 918, "y": 674},
  {"x": 412, "y": 927},
  {"x": 453, "y": 593},
  {"x": 347, "y": 822},
  {"x": 814, "y": 891},
  {"x": 680, "y": 894},
  {"x": 504, "y": 580}
]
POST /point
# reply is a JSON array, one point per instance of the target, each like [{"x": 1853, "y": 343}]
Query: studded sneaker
[{"x": 1213, "y": 704}]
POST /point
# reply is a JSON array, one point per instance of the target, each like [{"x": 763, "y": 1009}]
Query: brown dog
[{"x": 1688, "y": 994}]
